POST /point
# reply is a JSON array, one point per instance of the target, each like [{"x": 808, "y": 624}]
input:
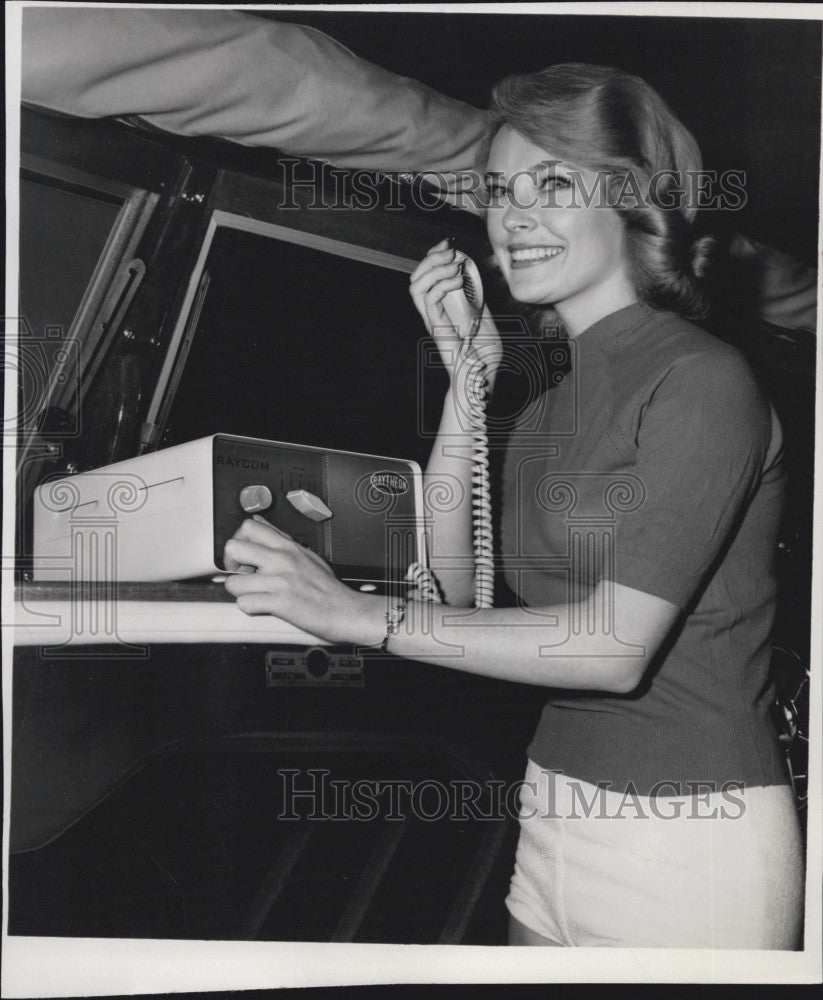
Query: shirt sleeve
[
  {"x": 257, "y": 82},
  {"x": 702, "y": 444}
]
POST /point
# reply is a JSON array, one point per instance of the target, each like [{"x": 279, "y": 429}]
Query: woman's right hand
[{"x": 435, "y": 277}]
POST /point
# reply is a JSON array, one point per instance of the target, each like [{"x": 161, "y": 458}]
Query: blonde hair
[{"x": 613, "y": 123}]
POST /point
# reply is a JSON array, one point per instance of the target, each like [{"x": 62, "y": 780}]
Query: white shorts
[{"x": 719, "y": 870}]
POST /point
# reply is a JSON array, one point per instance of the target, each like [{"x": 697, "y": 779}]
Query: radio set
[{"x": 167, "y": 515}]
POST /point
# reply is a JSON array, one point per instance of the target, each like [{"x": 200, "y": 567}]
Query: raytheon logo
[
  {"x": 389, "y": 482},
  {"x": 241, "y": 463}
]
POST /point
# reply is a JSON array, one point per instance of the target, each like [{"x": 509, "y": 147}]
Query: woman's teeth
[{"x": 535, "y": 253}]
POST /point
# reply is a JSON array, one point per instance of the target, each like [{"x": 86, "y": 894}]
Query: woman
[{"x": 641, "y": 503}]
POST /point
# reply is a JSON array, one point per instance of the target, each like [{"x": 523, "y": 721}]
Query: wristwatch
[{"x": 395, "y": 616}]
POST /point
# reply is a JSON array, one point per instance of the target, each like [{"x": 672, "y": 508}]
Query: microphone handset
[{"x": 464, "y": 308}]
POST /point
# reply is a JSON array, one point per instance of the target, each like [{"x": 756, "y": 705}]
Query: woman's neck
[{"x": 586, "y": 309}]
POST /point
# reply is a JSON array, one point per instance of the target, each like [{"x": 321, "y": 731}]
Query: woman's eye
[
  {"x": 495, "y": 190},
  {"x": 554, "y": 182}
]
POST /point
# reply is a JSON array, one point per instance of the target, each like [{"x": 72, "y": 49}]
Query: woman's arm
[
  {"x": 448, "y": 476},
  {"x": 447, "y": 489},
  {"x": 604, "y": 643}
]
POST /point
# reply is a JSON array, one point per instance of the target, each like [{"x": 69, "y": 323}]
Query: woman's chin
[
  {"x": 524, "y": 288},
  {"x": 531, "y": 296}
]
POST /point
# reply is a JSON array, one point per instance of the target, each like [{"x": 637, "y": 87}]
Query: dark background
[{"x": 748, "y": 89}]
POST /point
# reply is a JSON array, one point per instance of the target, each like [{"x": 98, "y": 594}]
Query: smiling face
[{"x": 553, "y": 249}]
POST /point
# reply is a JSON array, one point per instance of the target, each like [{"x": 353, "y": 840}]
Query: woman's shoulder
[
  {"x": 669, "y": 365},
  {"x": 665, "y": 343}
]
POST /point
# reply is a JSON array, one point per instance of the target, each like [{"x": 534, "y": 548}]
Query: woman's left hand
[{"x": 295, "y": 584}]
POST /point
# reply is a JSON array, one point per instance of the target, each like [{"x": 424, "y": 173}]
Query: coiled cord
[
  {"x": 422, "y": 579},
  {"x": 476, "y": 390},
  {"x": 474, "y": 371}
]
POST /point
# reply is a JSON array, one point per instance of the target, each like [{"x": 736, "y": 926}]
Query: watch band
[{"x": 395, "y": 616}]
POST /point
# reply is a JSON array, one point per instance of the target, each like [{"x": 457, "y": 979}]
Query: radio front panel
[
  {"x": 167, "y": 515},
  {"x": 241, "y": 464}
]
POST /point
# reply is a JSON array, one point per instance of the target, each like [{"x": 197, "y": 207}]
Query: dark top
[{"x": 656, "y": 463}]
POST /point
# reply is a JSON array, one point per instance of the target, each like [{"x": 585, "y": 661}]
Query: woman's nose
[
  {"x": 517, "y": 217},
  {"x": 518, "y": 208}
]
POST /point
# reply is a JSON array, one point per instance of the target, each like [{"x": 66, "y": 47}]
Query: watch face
[{"x": 395, "y": 617}]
